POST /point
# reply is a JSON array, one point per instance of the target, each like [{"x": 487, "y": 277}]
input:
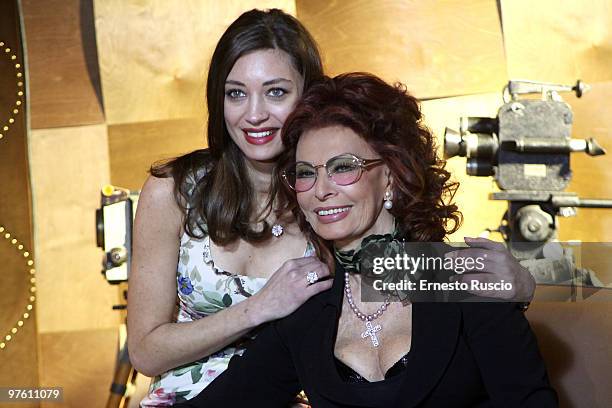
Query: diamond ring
[{"x": 312, "y": 277}]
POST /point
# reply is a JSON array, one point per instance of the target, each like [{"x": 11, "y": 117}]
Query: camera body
[
  {"x": 114, "y": 223},
  {"x": 534, "y": 146}
]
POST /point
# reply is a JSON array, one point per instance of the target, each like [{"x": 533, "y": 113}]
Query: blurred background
[{"x": 93, "y": 91}]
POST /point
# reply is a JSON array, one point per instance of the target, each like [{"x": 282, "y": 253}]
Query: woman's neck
[
  {"x": 385, "y": 224},
  {"x": 260, "y": 174}
]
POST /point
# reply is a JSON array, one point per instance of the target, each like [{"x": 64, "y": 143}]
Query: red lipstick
[{"x": 259, "y": 136}]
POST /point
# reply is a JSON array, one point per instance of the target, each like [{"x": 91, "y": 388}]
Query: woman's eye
[
  {"x": 343, "y": 167},
  {"x": 235, "y": 93},
  {"x": 304, "y": 173},
  {"x": 277, "y": 92}
]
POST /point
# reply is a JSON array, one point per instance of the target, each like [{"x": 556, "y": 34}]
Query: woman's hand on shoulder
[
  {"x": 287, "y": 289},
  {"x": 498, "y": 265}
]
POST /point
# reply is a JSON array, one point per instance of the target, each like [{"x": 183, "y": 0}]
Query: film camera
[
  {"x": 114, "y": 222},
  {"x": 526, "y": 149}
]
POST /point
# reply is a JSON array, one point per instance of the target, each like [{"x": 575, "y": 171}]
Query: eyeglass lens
[{"x": 342, "y": 171}]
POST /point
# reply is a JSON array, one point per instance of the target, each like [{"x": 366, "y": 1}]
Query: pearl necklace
[{"x": 371, "y": 330}]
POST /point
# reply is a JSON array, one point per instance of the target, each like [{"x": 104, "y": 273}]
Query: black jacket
[{"x": 462, "y": 355}]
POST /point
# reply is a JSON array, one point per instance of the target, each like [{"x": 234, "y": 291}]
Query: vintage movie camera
[
  {"x": 526, "y": 149},
  {"x": 114, "y": 222}
]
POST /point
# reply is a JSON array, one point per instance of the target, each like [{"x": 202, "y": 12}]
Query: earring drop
[{"x": 388, "y": 203}]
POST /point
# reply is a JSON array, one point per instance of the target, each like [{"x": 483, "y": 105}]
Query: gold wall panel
[
  {"x": 154, "y": 54},
  {"x": 134, "y": 147},
  {"x": 18, "y": 334},
  {"x": 19, "y": 363},
  {"x": 558, "y": 41},
  {"x": 441, "y": 48},
  {"x": 473, "y": 195},
  {"x": 82, "y": 362},
  {"x": 65, "y": 81},
  {"x": 69, "y": 166},
  {"x": 18, "y": 353}
]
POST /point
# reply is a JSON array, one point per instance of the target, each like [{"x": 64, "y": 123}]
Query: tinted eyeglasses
[{"x": 343, "y": 170}]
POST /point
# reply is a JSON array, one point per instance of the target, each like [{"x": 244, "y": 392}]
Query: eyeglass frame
[{"x": 363, "y": 164}]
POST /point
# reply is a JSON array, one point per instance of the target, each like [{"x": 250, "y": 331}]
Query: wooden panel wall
[
  {"x": 558, "y": 41},
  {"x": 437, "y": 48},
  {"x": 66, "y": 192},
  {"x": 63, "y": 63},
  {"x": 80, "y": 361},
  {"x": 134, "y": 146},
  {"x": 18, "y": 333}
]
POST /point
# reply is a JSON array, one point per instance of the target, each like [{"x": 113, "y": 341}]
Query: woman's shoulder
[
  {"x": 157, "y": 193},
  {"x": 299, "y": 324},
  {"x": 158, "y": 213},
  {"x": 184, "y": 173},
  {"x": 477, "y": 314}
]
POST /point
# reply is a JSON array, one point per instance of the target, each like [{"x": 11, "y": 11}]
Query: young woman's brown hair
[{"x": 222, "y": 203}]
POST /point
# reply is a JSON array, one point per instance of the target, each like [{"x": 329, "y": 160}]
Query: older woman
[{"x": 359, "y": 168}]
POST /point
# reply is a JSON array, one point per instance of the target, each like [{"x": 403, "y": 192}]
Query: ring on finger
[{"x": 312, "y": 277}]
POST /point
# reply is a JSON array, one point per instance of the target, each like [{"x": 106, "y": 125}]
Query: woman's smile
[
  {"x": 327, "y": 215},
  {"x": 260, "y": 136}
]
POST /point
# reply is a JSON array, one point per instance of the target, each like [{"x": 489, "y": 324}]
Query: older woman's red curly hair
[{"x": 389, "y": 119}]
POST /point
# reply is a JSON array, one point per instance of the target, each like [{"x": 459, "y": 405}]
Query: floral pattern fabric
[{"x": 203, "y": 289}]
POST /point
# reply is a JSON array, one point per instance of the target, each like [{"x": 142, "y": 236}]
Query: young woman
[
  {"x": 362, "y": 169},
  {"x": 208, "y": 212}
]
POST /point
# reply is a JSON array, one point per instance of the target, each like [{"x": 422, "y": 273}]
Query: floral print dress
[{"x": 203, "y": 289}]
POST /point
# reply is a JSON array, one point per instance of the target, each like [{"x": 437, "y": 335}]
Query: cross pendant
[{"x": 371, "y": 332}]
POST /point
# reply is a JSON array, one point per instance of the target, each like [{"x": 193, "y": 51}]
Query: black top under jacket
[{"x": 462, "y": 355}]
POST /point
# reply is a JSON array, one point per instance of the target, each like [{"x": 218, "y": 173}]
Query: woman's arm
[
  {"x": 506, "y": 351},
  {"x": 157, "y": 344}
]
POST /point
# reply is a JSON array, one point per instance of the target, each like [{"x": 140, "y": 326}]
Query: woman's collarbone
[{"x": 256, "y": 260}]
